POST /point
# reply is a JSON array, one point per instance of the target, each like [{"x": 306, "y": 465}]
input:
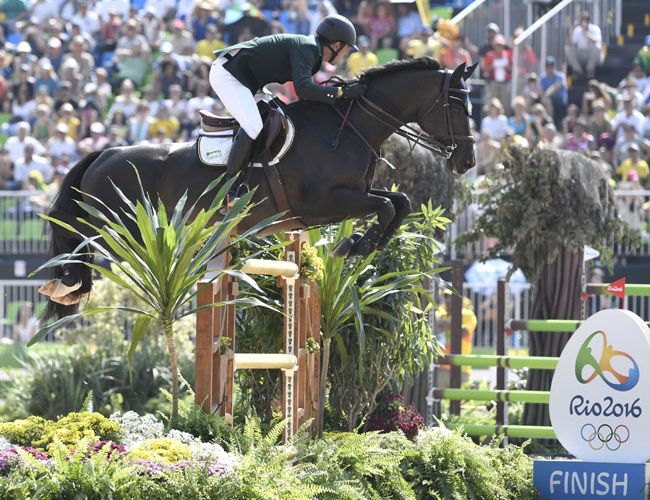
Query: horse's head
[{"x": 446, "y": 120}]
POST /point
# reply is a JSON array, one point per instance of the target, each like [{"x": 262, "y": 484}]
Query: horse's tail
[{"x": 65, "y": 208}]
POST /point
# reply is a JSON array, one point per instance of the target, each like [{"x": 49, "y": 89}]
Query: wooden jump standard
[{"x": 216, "y": 356}]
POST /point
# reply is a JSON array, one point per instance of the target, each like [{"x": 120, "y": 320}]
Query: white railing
[
  {"x": 549, "y": 35},
  {"x": 633, "y": 208},
  {"x": 22, "y": 231}
]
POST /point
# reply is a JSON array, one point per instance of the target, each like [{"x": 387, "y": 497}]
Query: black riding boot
[{"x": 240, "y": 155}]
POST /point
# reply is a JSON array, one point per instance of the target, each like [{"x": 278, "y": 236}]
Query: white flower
[
  {"x": 4, "y": 444},
  {"x": 136, "y": 428}
]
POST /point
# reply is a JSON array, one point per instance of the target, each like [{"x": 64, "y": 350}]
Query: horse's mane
[{"x": 420, "y": 63}]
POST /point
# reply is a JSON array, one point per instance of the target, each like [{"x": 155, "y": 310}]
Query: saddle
[{"x": 268, "y": 143}]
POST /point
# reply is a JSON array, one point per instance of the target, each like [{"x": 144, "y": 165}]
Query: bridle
[{"x": 410, "y": 133}]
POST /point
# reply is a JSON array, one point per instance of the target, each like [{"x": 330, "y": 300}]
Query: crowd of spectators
[{"x": 80, "y": 75}]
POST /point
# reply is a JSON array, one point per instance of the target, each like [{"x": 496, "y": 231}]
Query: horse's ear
[
  {"x": 457, "y": 75},
  {"x": 469, "y": 71}
]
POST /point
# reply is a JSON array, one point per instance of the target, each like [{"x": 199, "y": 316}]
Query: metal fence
[
  {"x": 549, "y": 35},
  {"x": 20, "y": 304}
]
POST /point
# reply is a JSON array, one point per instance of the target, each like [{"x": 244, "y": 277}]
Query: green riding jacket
[{"x": 278, "y": 59}]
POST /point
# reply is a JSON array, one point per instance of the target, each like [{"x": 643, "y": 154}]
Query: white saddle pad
[{"x": 214, "y": 147}]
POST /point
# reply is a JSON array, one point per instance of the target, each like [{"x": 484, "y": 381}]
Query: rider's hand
[{"x": 354, "y": 91}]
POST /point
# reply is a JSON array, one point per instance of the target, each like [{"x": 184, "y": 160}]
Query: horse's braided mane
[{"x": 396, "y": 66}]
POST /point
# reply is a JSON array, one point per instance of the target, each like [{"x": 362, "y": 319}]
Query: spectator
[
  {"x": 46, "y": 77},
  {"x": 133, "y": 64},
  {"x": 43, "y": 124},
  {"x": 87, "y": 19},
  {"x": 54, "y": 52},
  {"x": 202, "y": 19},
  {"x": 579, "y": 140},
  {"x": 64, "y": 95},
  {"x": 539, "y": 120},
  {"x": 532, "y": 91},
  {"x": 622, "y": 146},
  {"x": 104, "y": 89},
  {"x": 140, "y": 123},
  {"x": 633, "y": 163},
  {"x": 628, "y": 87},
  {"x": 555, "y": 89},
  {"x": 83, "y": 58},
  {"x": 381, "y": 23},
  {"x": 68, "y": 117},
  {"x": 181, "y": 38},
  {"x": 23, "y": 107},
  {"x": 131, "y": 36},
  {"x": 201, "y": 101},
  {"x": 15, "y": 145},
  {"x": 363, "y": 59},
  {"x": 96, "y": 141},
  {"x": 599, "y": 125},
  {"x": 628, "y": 115},
  {"x": 409, "y": 21},
  {"x": 164, "y": 122},
  {"x": 326, "y": 8},
  {"x": 126, "y": 102},
  {"x": 495, "y": 124},
  {"x": 61, "y": 144},
  {"x": 643, "y": 56},
  {"x": 24, "y": 57},
  {"x": 549, "y": 136},
  {"x": 519, "y": 121},
  {"x": 585, "y": 51},
  {"x": 110, "y": 32},
  {"x": 115, "y": 138},
  {"x": 7, "y": 173},
  {"x": 454, "y": 55},
  {"x": 207, "y": 46},
  {"x": 569, "y": 121},
  {"x": 492, "y": 31},
  {"x": 497, "y": 66},
  {"x": 29, "y": 163},
  {"x": 595, "y": 91}
]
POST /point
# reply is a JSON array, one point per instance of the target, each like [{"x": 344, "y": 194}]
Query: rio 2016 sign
[{"x": 601, "y": 389}]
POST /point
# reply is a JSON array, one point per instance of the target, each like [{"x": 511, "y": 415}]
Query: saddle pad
[{"x": 214, "y": 148}]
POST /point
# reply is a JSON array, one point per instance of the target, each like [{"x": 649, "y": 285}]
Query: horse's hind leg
[
  {"x": 344, "y": 203},
  {"x": 402, "y": 206}
]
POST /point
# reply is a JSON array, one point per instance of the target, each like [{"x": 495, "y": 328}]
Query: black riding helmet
[{"x": 336, "y": 28}]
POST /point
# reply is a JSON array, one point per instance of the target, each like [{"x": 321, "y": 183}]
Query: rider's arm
[{"x": 302, "y": 61}]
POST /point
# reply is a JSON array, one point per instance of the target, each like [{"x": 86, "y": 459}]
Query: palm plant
[
  {"x": 161, "y": 262},
  {"x": 351, "y": 291}
]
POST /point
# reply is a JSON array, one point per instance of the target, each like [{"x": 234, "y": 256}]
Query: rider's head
[{"x": 337, "y": 36}]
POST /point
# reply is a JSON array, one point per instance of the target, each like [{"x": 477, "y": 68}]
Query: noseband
[{"x": 411, "y": 134}]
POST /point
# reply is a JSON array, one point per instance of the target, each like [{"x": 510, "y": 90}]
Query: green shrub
[
  {"x": 444, "y": 464},
  {"x": 363, "y": 466}
]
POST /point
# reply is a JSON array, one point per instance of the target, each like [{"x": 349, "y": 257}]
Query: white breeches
[{"x": 237, "y": 99}]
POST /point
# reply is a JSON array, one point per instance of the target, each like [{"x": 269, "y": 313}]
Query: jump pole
[{"x": 216, "y": 356}]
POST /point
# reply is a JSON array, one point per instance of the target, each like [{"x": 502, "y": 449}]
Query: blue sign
[{"x": 575, "y": 479}]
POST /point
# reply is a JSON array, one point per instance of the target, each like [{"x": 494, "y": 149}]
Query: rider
[{"x": 239, "y": 71}]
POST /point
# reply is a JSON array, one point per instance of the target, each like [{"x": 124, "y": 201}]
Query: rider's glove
[{"x": 354, "y": 91}]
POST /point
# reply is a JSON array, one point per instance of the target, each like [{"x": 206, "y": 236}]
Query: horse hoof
[
  {"x": 55, "y": 288},
  {"x": 343, "y": 248}
]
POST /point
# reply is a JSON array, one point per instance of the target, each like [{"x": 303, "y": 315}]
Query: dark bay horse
[{"x": 324, "y": 184}]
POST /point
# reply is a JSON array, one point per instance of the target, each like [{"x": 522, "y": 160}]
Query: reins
[{"x": 407, "y": 131}]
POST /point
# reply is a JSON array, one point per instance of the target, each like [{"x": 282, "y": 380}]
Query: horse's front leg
[
  {"x": 402, "y": 206},
  {"x": 347, "y": 203}
]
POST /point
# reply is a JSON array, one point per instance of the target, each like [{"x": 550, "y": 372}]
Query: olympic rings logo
[{"x": 605, "y": 436}]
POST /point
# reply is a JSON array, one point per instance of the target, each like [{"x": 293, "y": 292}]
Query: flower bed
[{"x": 86, "y": 455}]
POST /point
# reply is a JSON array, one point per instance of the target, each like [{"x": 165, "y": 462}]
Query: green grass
[
  {"x": 23, "y": 231},
  {"x": 8, "y": 352}
]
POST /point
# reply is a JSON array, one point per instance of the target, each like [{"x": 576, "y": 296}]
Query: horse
[{"x": 326, "y": 174}]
